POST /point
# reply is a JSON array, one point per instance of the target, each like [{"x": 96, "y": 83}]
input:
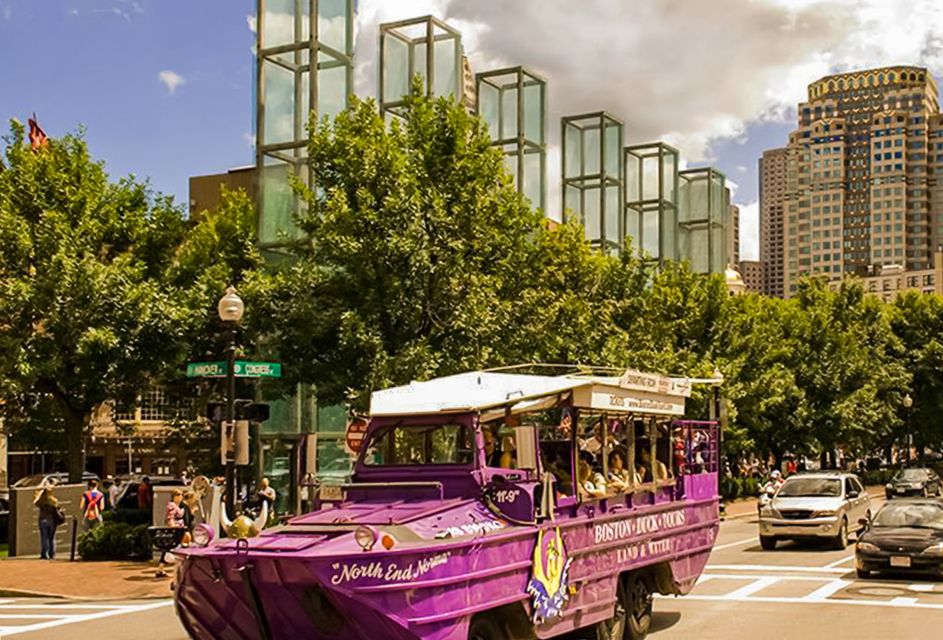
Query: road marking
[
  {"x": 921, "y": 587},
  {"x": 36, "y": 616},
  {"x": 909, "y": 603},
  {"x": 789, "y": 578},
  {"x": 735, "y": 544},
  {"x": 827, "y": 590},
  {"x": 757, "y": 585},
  {"x": 831, "y": 565},
  {"x": 773, "y": 568},
  {"x": 77, "y": 618}
]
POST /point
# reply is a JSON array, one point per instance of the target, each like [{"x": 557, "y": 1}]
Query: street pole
[
  {"x": 230, "y": 310},
  {"x": 231, "y": 424}
]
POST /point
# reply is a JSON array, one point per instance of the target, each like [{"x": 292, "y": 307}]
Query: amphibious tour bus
[{"x": 492, "y": 505}]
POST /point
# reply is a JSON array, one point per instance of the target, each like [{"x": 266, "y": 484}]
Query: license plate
[
  {"x": 900, "y": 561},
  {"x": 901, "y": 490},
  {"x": 332, "y": 492}
]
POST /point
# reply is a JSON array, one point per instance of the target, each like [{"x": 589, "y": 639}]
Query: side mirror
[
  {"x": 864, "y": 522},
  {"x": 852, "y": 494}
]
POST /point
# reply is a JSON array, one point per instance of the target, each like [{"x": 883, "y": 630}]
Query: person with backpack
[
  {"x": 93, "y": 503},
  {"x": 50, "y": 517}
]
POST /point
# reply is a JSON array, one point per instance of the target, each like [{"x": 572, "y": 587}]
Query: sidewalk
[{"x": 82, "y": 580}]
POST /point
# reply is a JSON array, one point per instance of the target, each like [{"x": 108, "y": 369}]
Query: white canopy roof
[{"x": 633, "y": 392}]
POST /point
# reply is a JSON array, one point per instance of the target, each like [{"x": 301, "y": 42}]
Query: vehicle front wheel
[
  {"x": 639, "y": 600},
  {"x": 614, "y": 627},
  {"x": 485, "y": 627},
  {"x": 840, "y": 541},
  {"x": 768, "y": 543}
]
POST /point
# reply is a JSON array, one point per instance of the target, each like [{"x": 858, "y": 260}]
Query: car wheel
[
  {"x": 639, "y": 608},
  {"x": 840, "y": 541},
  {"x": 614, "y": 627},
  {"x": 768, "y": 543},
  {"x": 864, "y": 574}
]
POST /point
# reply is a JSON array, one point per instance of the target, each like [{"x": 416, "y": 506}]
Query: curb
[{"x": 21, "y": 593}]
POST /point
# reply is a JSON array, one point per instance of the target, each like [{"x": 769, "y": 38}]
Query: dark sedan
[
  {"x": 905, "y": 535},
  {"x": 914, "y": 482}
]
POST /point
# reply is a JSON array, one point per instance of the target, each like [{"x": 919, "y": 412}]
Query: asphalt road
[{"x": 806, "y": 592}]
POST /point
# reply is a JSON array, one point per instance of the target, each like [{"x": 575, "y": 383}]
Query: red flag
[{"x": 37, "y": 137}]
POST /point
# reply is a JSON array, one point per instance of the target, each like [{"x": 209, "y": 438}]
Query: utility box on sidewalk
[{"x": 24, "y": 518}]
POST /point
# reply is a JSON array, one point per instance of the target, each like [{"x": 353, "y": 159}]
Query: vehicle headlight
[
  {"x": 888, "y": 486},
  {"x": 934, "y": 550},
  {"x": 825, "y": 513},
  {"x": 366, "y": 537},
  {"x": 769, "y": 512},
  {"x": 203, "y": 535},
  {"x": 867, "y": 547}
]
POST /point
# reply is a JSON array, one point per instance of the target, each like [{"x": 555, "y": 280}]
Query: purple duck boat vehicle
[{"x": 491, "y": 505}]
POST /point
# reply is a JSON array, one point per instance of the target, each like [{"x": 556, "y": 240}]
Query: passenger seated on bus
[
  {"x": 508, "y": 458},
  {"x": 590, "y": 484},
  {"x": 560, "y": 468},
  {"x": 651, "y": 469},
  {"x": 618, "y": 474},
  {"x": 492, "y": 453}
]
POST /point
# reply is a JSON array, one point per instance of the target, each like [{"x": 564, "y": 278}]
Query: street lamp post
[
  {"x": 230, "y": 310},
  {"x": 908, "y": 403}
]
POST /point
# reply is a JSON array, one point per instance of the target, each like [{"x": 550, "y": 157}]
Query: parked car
[
  {"x": 905, "y": 535},
  {"x": 58, "y": 477},
  {"x": 815, "y": 505},
  {"x": 914, "y": 482}
]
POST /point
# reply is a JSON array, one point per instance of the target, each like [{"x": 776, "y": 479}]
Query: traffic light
[{"x": 245, "y": 410}]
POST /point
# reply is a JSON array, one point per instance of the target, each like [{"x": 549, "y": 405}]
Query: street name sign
[
  {"x": 206, "y": 369},
  {"x": 242, "y": 369}
]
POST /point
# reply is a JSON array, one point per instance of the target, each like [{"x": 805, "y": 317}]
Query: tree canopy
[{"x": 104, "y": 286}]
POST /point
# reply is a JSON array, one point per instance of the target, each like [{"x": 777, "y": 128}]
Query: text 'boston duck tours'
[{"x": 489, "y": 505}]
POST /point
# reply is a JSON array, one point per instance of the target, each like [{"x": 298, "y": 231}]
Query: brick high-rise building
[
  {"x": 862, "y": 173},
  {"x": 772, "y": 205},
  {"x": 752, "y": 273}
]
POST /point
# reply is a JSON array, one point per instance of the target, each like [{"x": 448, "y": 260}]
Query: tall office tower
[
  {"x": 858, "y": 181},
  {"x": 772, "y": 202},
  {"x": 733, "y": 237}
]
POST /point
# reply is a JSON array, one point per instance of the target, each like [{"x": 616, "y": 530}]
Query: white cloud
[
  {"x": 172, "y": 80},
  {"x": 252, "y": 23},
  {"x": 249, "y": 139},
  {"x": 750, "y": 231},
  {"x": 6, "y": 11}
]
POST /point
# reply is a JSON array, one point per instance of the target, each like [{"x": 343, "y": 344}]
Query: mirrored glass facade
[
  {"x": 651, "y": 200},
  {"x": 405, "y": 52},
  {"x": 290, "y": 35},
  {"x": 592, "y": 177},
  {"x": 703, "y": 213},
  {"x": 513, "y": 103}
]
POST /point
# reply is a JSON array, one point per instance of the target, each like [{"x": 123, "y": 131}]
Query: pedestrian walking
[
  {"x": 145, "y": 495},
  {"x": 174, "y": 514},
  {"x": 114, "y": 493},
  {"x": 93, "y": 503},
  {"x": 50, "y": 517}
]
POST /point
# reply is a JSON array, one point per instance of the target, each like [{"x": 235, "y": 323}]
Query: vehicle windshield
[
  {"x": 810, "y": 487},
  {"x": 406, "y": 444},
  {"x": 922, "y": 514},
  {"x": 911, "y": 475}
]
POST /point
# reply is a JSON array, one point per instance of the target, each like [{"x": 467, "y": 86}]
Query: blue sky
[
  {"x": 165, "y": 87},
  {"x": 97, "y": 63}
]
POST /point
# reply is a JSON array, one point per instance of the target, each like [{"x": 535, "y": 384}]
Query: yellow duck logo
[{"x": 549, "y": 579}]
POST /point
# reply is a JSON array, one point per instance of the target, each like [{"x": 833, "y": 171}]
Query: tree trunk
[{"x": 75, "y": 438}]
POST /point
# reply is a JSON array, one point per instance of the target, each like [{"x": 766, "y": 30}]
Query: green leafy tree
[
  {"x": 415, "y": 242},
  {"x": 917, "y": 321},
  {"x": 99, "y": 291}
]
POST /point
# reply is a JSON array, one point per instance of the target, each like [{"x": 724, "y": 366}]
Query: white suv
[{"x": 815, "y": 505}]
